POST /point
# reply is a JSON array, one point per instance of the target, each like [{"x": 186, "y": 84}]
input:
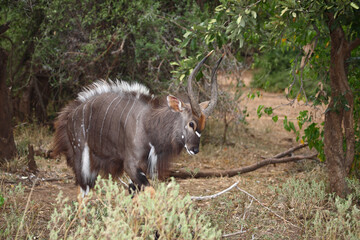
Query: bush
[
  {"x": 15, "y": 223},
  {"x": 111, "y": 213},
  {"x": 320, "y": 213},
  {"x": 274, "y": 73}
]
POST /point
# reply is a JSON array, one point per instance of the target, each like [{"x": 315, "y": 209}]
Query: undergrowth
[
  {"x": 25, "y": 134},
  {"x": 15, "y": 221},
  {"x": 111, "y": 213},
  {"x": 296, "y": 209},
  {"x": 321, "y": 215},
  {"x": 304, "y": 208}
]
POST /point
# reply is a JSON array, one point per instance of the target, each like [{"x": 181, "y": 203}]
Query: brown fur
[{"x": 119, "y": 130}]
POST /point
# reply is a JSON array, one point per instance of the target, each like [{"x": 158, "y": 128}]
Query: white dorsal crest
[{"x": 103, "y": 86}]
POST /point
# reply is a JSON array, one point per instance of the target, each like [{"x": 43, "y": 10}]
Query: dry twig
[
  {"x": 215, "y": 195},
  {"x": 26, "y": 208}
]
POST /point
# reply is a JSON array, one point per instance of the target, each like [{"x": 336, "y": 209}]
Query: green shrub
[
  {"x": 13, "y": 223},
  {"x": 301, "y": 197},
  {"x": 11, "y": 212},
  {"x": 273, "y": 70},
  {"x": 274, "y": 73},
  {"x": 340, "y": 222},
  {"x": 112, "y": 214},
  {"x": 322, "y": 215}
]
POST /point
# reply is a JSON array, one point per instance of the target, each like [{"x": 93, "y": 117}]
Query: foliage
[
  {"x": 272, "y": 70},
  {"x": 302, "y": 27},
  {"x": 68, "y": 44},
  {"x": 2, "y": 200},
  {"x": 112, "y": 213},
  {"x": 354, "y": 76},
  {"x": 225, "y": 27},
  {"x": 12, "y": 214},
  {"x": 322, "y": 214}
]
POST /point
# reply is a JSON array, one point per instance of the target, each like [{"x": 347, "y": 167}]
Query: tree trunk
[
  {"x": 339, "y": 121},
  {"x": 7, "y": 144}
]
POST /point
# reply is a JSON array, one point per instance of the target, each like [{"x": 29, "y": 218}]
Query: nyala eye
[{"x": 192, "y": 125}]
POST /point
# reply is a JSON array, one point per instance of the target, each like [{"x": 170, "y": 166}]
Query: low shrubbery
[
  {"x": 321, "y": 215},
  {"x": 111, "y": 213},
  {"x": 302, "y": 205}
]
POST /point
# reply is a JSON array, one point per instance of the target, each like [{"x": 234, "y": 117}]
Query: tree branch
[
  {"x": 291, "y": 150},
  {"x": 4, "y": 27},
  {"x": 352, "y": 45}
]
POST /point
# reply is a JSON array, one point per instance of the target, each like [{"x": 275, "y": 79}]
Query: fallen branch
[
  {"x": 291, "y": 150},
  {"x": 215, "y": 195},
  {"x": 183, "y": 174},
  {"x": 31, "y": 177}
]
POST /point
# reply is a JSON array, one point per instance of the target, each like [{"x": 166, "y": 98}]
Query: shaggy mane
[{"x": 102, "y": 86}]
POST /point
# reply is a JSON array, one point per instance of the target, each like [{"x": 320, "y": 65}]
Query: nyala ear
[
  {"x": 204, "y": 105},
  {"x": 175, "y": 104}
]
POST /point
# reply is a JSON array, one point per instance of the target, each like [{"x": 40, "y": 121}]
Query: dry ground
[{"x": 259, "y": 138}]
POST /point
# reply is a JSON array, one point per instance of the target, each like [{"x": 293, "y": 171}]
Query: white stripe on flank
[
  {"x": 102, "y": 124},
  {"x": 128, "y": 114},
  {"x": 89, "y": 122},
  {"x": 83, "y": 119},
  {"x": 152, "y": 158},
  {"x": 123, "y": 110},
  {"x": 85, "y": 167}
]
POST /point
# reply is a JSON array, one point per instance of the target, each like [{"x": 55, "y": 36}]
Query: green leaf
[
  {"x": 268, "y": 110},
  {"x": 254, "y": 14},
  {"x": 258, "y": 111},
  {"x": 186, "y": 35},
  {"x": 242, "y": 23},
  {"x": 174, "y": 64},
  {"x": 275, "y": 118},
  {"x": 238, "y": 20},
  {"x": 219, "y": 8},
  {"x": 286, "y": 125},
  {"x": 241, "y": 40},
  {"x": 2, "y": 200},
  {"x": 292, "y": 126},
  {"x": 284, "y": 11},
  {"x": 354, "y": 5},
  {"x": 212, "y": 21},
  {"x": 182, "y": 77}
]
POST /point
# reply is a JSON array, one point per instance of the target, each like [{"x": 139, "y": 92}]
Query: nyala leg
[{"x": 82, "y": 195}]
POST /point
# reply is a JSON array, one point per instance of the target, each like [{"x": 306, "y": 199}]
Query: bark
[
  {"x": 339, "y": 120},
  {"x": 7, "y": 144},
  {"x": 32, "y": 166}
]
